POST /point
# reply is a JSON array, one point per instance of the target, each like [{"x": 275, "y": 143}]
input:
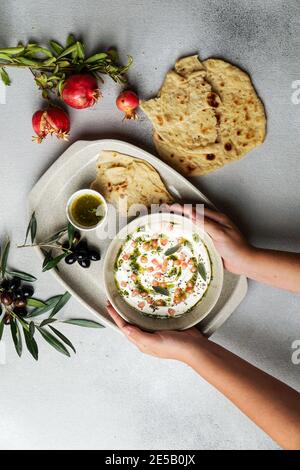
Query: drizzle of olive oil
[{"x": 84, "y": 210}]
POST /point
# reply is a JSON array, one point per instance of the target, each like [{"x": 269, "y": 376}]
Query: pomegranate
[
  {"x": 81, "y": 91},
  {"x": 53, "y": 121},
  {"x": 127, "y": 102}
]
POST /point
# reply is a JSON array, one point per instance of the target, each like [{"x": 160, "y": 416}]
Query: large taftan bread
[
  {"x": 125, "y": 181},
  {"x": 206, "y": 115}
]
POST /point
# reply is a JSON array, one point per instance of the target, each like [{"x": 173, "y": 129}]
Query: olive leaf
[
  {"x": 16, "y": 336},
  {"x": 1, "y": 327},
  {"x": 22, "y": 275},
  {"x": 71, "y": 233},
  {"x": 53, "y": 341},
  {"x": 5, "y": 77},
  {"x": 31, "y": 228},
  {"x": 47, "y": 321},
  {"x": 83, "y": 322},
  {"x": 202, "y": 270},
  {"x": 53, "y": 262},
  {"x": 63, "y": 338},
  {"x": 161, "y": 290},
  {"x": 36, "y": 303},
  {"x": 60, "y": 304},
  {"x": 31, "y": 344},
  {"x": 172, "y": 250},
  {"x": 32, "y": 328},
  {"x": 4, "y": 256},
  {"x": 50, "y": 304}
]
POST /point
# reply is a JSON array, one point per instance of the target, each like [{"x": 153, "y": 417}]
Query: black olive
[
  {"x": 6, "y": 298},
  {"x": 21, "y": 311},
  {"x": 84, "y": 263},
  {"x": 94, "y": 255},
  {"x": 81, "y": 246},
  {"x": 22, "y": 302},
  {"x": 82, "y": 255},
  {"x": 15, "y": 283},
  {"x": 6, "y": 319},
  {"x": 18, "y": 293},
  {"x": 27, "y": 291},
  {"x": 5, "y": 284},
  {"x": 70, "y": 259},
  {"x": 65, "y": 245}
]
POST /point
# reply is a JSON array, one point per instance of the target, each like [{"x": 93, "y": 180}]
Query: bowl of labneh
[{"x": 163, "y": 272}]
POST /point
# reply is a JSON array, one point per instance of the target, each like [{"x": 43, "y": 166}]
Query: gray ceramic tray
[{"x": 75, "y": 169}]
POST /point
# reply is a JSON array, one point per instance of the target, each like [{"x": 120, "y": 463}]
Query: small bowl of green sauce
[{"x": 86, "y": 209}]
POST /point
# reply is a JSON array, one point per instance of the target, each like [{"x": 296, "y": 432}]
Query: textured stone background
[{"x": 110, "y": 396}]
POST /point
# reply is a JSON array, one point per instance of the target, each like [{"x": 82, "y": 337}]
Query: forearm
[
  {"x": 272, "y": 405},
  {"x": 277, "y": 268}
]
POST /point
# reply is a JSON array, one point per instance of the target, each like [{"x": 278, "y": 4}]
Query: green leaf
[
  {"x": 55, "y": 343},
  {"x": 22, "y": 275},
  {"x": 71, "y": 233},
  {"x": 161, "y": 290},
  {"x": 80, "y": 50},
  {"x": 47, "y": 321},
  {"x": 12, "y": 50},
  {"x": 83, "y": 322},
  {"x": 71, "y": 40},
  {"x": 16, "y": 336},
  {"x": 29, "y": 62},
  {"x": 53, "y": 262},
  {"x": 31, "y": 344},
  {"x": 36, "y": 303},
  {"x": 33, "y": 228},
  {"x": 57, "y": 48},
  {"x": 5, "y": 57},
  {"x": 1, "y": 328},
  {"x": 48, "y": 257},
  {"x": 50, "y": 303},
  {"x": 4, "y": 77},
  {"x": 68, "y": 51},
  {"x": 33, "y": 49},
  {"x": 96, "y": 57},
  {"x": 32, "y": 218},
  {"x": 4, "y": 257},
  {"x": 32, "y": 328},
  {"x": 172, "y": 250},
  {"x": 60, "y": 304},
  {"x": 57, "y": 235},
  {"x": 63, "y": 338},
  {"x": 49, "y": 61},
  {"x": 202, "y": 271}
]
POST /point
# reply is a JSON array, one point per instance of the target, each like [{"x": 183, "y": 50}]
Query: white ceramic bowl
[
  {"x": 75, "y": 196},
  {"x": 184, "y": 321}
]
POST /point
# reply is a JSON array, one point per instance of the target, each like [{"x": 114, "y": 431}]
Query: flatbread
[
  {"x": 242, "y": 120},
  {"x": 183, "y": 114},
  {"x": 125, "y": 181},
  {"x": 206, "y": 115}
]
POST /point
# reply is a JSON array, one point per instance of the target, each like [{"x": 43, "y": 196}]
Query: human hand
[
  {"x": 179, "y": 345},
  {"x": 228, "y": 240}
]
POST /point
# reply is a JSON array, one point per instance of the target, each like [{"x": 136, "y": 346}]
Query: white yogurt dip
[{"x": 163, "y": 270}]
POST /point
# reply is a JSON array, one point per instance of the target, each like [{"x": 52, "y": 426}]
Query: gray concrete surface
[{"x": 109, "y": 395}]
